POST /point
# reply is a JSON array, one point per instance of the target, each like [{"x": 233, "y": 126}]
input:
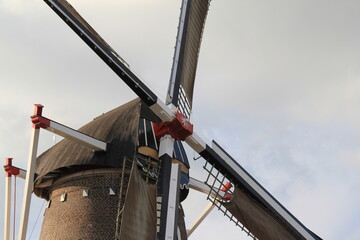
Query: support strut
[
  {"x": 7, "y": 201},
  {"x": 29, "y": 181}
]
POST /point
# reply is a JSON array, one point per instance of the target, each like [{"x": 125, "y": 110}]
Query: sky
[{"x": 277, "y": 86}]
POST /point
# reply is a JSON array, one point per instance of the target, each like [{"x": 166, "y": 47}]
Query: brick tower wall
[{"x": 83, "y": 205}]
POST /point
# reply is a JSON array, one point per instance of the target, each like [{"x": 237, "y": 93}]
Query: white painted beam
[
  {"x": 22, "y": 174},
  {"x": 173, "y": 204},
  {"x": 201, "y": 218},
  {"x": 69, "y": 133},
  {"x": 29, "y": 184},
  {"x": 203, "y": 188},
  {"x": 7, "y": 207}
]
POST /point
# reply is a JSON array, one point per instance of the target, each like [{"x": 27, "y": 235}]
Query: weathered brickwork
[{"x": 83, "y": 217}]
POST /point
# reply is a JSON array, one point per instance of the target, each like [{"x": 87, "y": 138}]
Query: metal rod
[{"x": 29, "y": 183}]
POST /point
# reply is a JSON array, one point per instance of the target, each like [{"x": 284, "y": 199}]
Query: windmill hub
[{"x": 179, "y": 128}]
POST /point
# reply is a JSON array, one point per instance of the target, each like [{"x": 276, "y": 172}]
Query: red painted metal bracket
[
  {"x": 226, "y": 189},
  {"x": 40, "y": 122},
  {"x": 179, "y": 128},
  {"x": 37, "y": 113},
  {"x": 10, "y": 169}
]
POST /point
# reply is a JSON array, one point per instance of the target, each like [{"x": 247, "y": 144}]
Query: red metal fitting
[
  {"x": 225, "y": 189},
  {"x": 227, "y": 196},
  {"x": 9, "y": 169},
  {"x": 37, "y": 113},
  {"x": 179, "y": 128},
  {"x": 8, "y": 161},
  {"x": 40, "y": 122},
  {"x": 38, "y": 109}
]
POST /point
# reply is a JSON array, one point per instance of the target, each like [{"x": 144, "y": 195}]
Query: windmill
[{"x": 262, "y": 212}]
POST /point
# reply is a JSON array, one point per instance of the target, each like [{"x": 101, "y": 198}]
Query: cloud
[
  {"x": 332, "y": 198},
  {"x": 351, "y": 158},
  {"x": 285, "y": 61},
  {"x": 21, "y": 8}
]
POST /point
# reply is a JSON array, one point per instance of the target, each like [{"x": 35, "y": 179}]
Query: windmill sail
[
  {"x": 102, "y": 49},
  {"x": 188, "y": 41},
  {"x": 260, "y": 214},
  {"x": 256, "y": 218}
]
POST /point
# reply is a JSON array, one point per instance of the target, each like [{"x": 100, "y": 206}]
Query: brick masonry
[{"x": 83, "y": 217}]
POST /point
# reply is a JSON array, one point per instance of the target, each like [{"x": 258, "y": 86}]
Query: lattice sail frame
[
  {"x": 184, "y": 105},
  {"x": 218, "y": 182}
]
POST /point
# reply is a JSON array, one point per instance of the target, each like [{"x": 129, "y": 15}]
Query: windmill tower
[
  {"x": 96, "y": 192},
  {"x": 90, "y": 193}
]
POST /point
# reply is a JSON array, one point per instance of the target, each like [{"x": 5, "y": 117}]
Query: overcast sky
[{"x": 278, "y": 86}]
